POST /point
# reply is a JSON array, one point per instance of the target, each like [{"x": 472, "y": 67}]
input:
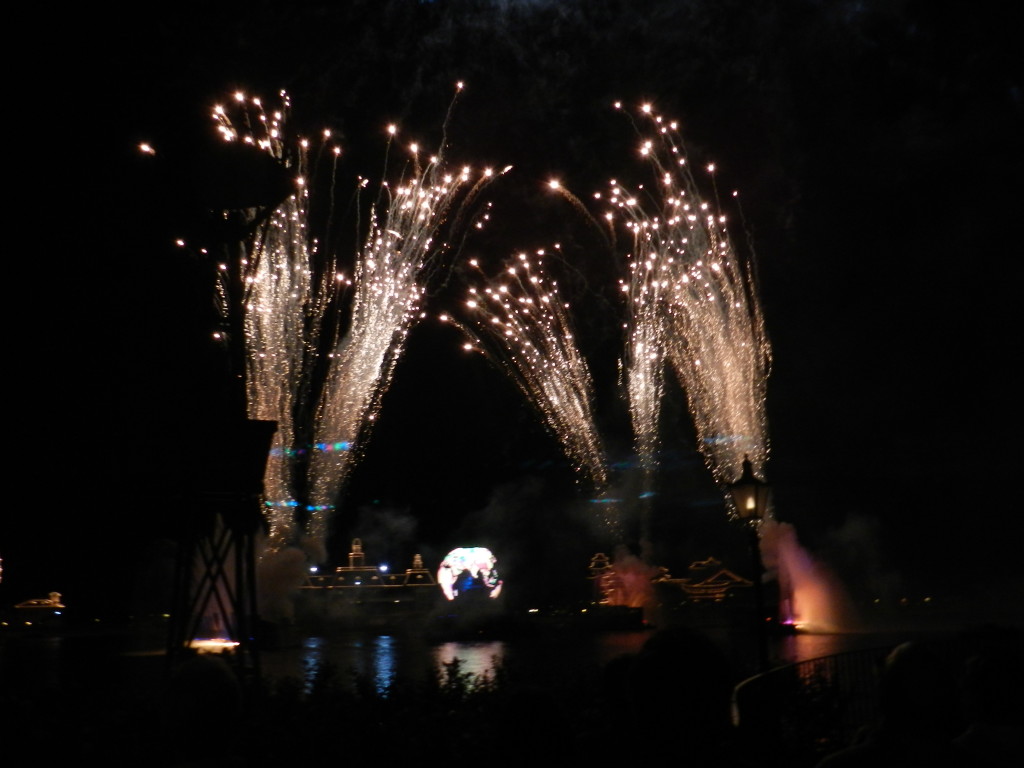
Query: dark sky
[{"x": 877, "y": 146}]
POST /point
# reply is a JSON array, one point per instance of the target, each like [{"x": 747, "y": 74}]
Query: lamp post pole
[
  {"x": 750, "y": 496},
  {"x": 759, "y": 617}
]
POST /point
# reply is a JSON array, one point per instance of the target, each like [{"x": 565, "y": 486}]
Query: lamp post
[{"x": 751, "y": 496}]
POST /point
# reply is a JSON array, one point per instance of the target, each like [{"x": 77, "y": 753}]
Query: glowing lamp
[{"x": 750, "y": 495}]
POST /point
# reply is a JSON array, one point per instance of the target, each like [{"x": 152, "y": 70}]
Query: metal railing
[
  {"x": 803, "y": 711},
  {"x": 806, "y": 710}
]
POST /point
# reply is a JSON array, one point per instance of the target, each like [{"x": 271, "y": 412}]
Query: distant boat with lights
[
  {"x": 41, "y": 612},
  {"x": 464, "y": 598},
  {"x": 362, "y": 596}
]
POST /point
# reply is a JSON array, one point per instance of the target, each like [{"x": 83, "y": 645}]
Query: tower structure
[
  {"x": 215, "y": 591},
  {"x": 220, "y": 517}
]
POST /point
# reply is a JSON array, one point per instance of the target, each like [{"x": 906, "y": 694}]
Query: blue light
[{"x": 341, "y": 445}]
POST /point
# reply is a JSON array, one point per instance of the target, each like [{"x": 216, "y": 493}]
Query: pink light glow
[{"x": 811, "y": 597}]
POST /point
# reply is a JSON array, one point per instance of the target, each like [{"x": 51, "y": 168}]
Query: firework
[
  {"x": 287, "y": 290},
  {"x": 523, "y": 326},
  {"x": 391, "y": 274},
  {"x": 693, "y": 308},
  {"x": 285, "y": 295}
]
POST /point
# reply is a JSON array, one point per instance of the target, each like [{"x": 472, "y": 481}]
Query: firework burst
[
  {"x": 402, "y": 249},
  {"x": 286, "y": 289},
  {"x": 519, "y": 321},
  {"x": 692, "y": 308}
]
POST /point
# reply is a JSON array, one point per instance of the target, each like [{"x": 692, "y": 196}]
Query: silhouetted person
[
  {"x": 992, "y": 686},
  {"x": 918, "y": 715},
  {"x": 677, "y": 692}
]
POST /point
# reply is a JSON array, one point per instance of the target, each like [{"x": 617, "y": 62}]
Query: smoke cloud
[{"x": 811, "y": 595}]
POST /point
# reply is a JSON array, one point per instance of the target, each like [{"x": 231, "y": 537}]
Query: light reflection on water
[
  {"x": 379, "y": 659},
  {"x": 479, "y": 659},
  {"x": 383, "y": 659},
  {"x": 804, "y": 646}
]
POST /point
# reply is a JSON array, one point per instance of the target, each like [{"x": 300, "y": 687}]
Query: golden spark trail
[
  {"x": 285, "y": 302},
  {"x": 523, "y": 326},
  {"x": 390, "y": 282},
  {"x": 693, "y": 307},
  {"x": 606, "y": 232},
  {"x": 283, "y": 305}
]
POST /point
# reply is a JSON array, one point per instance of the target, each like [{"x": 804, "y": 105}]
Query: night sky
[{"x": 877, "y": 149}]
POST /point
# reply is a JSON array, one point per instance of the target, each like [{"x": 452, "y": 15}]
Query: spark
[
  {"x": 391, "y": 277},
  {"x": 288, "y": 288},
  {"x": 693, "y": 309},
  {"x": 523, "y": 326},
  {"x": 284, "y": 305}
]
